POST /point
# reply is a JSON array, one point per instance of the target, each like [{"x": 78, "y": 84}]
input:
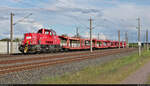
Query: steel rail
[{"x": 10, "y": 69}]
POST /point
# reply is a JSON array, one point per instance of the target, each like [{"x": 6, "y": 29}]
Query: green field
[
  {"x": 111, "y": 72},
  {"x": 133, "y": 45},
  {"x": 148, "y": 81}
]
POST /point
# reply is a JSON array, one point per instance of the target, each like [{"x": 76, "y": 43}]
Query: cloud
[
  {"x": 81, "y": 10},
  {"x": 65, "y": 15},
  {"x": 101, "y": 36},
  {"x": 4, "y": 18},
  {"x": 17, "y": 0},
  {"x": 32, "y": 25},
  {"x": 25, "y": 26},
  {"x": 64, "y": 6}
]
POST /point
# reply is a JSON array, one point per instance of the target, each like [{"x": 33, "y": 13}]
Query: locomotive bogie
[{"x": 30, "y": 48}]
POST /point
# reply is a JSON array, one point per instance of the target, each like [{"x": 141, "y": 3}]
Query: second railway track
[{"x": 9, "y": 66}]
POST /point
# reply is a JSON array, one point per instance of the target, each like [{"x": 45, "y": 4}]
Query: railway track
[
  {"x": 15, "y": 65},
  {"x": 45, "y": 54},
  {"x": 21, "y": 56}
]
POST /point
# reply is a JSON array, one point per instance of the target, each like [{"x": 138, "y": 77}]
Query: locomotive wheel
[{"x": 66, "y": 50}]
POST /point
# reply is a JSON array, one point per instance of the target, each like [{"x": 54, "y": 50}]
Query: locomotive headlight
[{"x": 28, "y": 37}]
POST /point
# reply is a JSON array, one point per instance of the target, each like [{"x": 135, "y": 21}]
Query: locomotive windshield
[
  {"x": 40, "y": 31},
  {"x": 47, "y": 31},
  {"x": 52, "y": 31}
]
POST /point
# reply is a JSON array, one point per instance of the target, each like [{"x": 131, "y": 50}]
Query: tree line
[{"x": 7, "y": 39}]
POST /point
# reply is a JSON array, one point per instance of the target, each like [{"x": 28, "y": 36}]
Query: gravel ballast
[{"x": 36, "y": 75}]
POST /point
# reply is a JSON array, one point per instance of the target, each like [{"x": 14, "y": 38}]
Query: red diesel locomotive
[
  {"x": 43, "y": 41},
  {"x": 46, "y": 40}
]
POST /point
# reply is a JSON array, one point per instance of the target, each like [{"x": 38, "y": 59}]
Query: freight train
[{"x": 46, "y": 40}]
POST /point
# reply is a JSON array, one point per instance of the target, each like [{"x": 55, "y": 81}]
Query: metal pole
[
  {"x": 139, "y": 39},
  {"x": 77, "y": 32},
  {"x": 126, "y": 36},
  {"x": 11, "y": 33},
  {"x": 119, "y": 38},
  {"x": 91, "y": 35},
  {"x": 147, "y": 40},
  {"x": 132, "y": 41},
  {"x": 98, "y": 36},
  {"x": 11, "y": 29}
]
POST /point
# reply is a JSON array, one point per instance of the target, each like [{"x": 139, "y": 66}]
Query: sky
[{"x": 64, "y": 16}]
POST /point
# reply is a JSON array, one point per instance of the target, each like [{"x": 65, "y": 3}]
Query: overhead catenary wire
[
  {"x": 79, "y": 21},
  {"x": 86, "y": 28},
  {"x": 22, "y": 19}
]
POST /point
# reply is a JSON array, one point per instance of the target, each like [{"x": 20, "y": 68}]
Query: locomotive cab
[{"x": 48, "y": 37}]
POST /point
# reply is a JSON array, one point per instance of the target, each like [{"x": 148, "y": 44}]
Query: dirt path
[{"x": 138, "y": 77}]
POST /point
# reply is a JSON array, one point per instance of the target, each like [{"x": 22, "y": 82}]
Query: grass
[
  {"x": 148, "y": 80},
  {"x": 133, "y": 45},
  {"x": 111, "y": 72}
]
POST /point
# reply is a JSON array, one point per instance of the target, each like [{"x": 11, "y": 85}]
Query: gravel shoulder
[
  {"x": 36, "y": 75},
  {"x": 138, "y": 77}
]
